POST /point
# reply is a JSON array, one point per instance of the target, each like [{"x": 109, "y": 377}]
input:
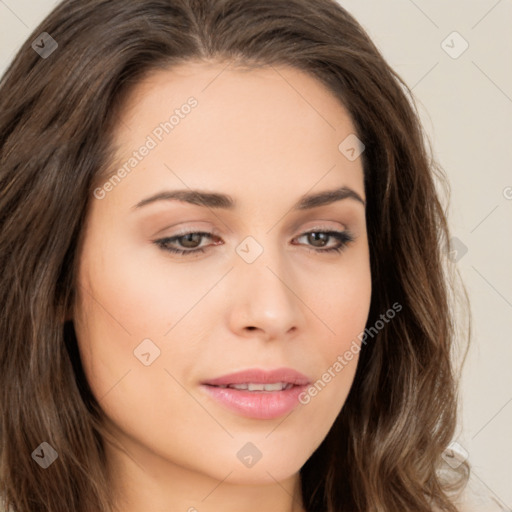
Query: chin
[{"x": 262, "y": 474}]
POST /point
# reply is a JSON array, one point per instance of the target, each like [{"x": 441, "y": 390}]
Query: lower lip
[{"x": 261, "y": 405}]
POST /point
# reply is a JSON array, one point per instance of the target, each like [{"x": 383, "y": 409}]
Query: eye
[
  {"x": 321, "y": 237},
  {"x": 190, "y": 242}
]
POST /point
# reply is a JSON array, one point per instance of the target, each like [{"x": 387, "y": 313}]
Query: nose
[{"x": 266, "y": 300}]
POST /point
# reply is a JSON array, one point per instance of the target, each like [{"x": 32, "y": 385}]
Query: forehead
[
  {"x": 230, "y": 96},
  {"x": 262, "y": 126},
  {"x": 212, "y": 80}
]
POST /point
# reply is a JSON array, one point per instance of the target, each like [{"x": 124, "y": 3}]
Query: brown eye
[
  {"x": 319, "y": 239},
  {"x": 188, "y": 243}
]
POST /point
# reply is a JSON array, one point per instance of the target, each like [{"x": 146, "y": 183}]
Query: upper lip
[{"x": 259, "y": 376}]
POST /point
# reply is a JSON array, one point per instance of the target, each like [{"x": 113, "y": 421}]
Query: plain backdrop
[{"x": 456, "y": 56}]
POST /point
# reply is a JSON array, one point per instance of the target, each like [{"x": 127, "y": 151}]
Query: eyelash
[{"x": 344, "y": 237}]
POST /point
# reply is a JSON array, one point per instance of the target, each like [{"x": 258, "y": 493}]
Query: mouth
[
  {"x": 258, "y": 394},
  {"x": 257, "y": 387}
]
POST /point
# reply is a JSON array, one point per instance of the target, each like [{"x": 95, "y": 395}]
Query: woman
[{"x": 222, "y": 254}]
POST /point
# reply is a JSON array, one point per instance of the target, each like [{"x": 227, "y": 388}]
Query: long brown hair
[{"x": 57, "y": 115}]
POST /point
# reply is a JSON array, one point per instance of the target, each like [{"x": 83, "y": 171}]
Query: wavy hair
[{"x": 57, "y": 115}]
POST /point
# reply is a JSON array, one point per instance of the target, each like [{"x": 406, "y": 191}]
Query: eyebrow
[{"x": 224, "y": 201}]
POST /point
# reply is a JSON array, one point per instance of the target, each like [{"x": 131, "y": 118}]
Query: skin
[{"x": 266, "y": 137}]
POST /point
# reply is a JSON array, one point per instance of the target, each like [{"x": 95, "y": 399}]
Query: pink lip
[
  {"x": 258, "y": 404},
  {"x": 258, "y": 376}
]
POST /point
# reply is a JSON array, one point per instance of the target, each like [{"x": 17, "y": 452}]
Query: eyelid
[
  {"x": 343, "y": 237},
  {"x": 217, "y": 233}
]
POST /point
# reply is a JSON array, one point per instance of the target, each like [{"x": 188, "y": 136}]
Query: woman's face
[{"x": 154, "y": 327}]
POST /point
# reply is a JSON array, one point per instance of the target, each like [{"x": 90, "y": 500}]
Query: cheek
[
  {"x": 148, "y": 292},
  {"x": 341, "y": 301},
  {"x": 130, "y": 307},
  {"x": 145, "y": 401},
  {"x": 343, "y": 305}
]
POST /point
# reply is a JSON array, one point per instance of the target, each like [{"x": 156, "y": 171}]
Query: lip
[
  {"x": 258, "y": 376},
  {"x": 258, "y": 404}
]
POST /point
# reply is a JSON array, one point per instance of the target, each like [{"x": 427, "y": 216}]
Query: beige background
[{"x": 466, "y": 105}]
